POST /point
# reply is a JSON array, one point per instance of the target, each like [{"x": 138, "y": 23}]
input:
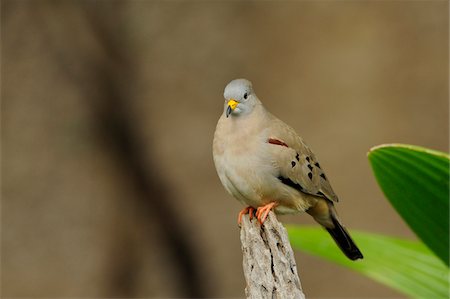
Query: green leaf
[
  {"x": 407, "y": 266},
  {"x": 416, "y": 182}
]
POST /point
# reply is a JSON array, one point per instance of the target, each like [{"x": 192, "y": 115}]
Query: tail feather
[
  {"x": 343, "y": 240},
  {"x": 325, "y": 214}
]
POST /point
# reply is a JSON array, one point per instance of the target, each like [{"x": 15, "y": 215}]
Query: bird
[{"x": 266, "y": 165}]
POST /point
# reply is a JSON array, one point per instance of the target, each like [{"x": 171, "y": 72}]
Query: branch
[{"x": 269, "y": 265}]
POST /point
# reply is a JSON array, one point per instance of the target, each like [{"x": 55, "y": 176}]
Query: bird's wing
[{"x": 297, "y": 164}]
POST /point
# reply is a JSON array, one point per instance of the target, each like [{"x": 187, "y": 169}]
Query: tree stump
[{"x": 268, "y": 260}]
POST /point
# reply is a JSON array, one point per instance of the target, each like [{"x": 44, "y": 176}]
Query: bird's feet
[
  {"x": 263, "y": 212},
  {"x": 249, "y": 210}
]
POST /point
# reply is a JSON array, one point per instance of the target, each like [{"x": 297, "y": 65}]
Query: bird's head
[{"x": 239, "y": 98}]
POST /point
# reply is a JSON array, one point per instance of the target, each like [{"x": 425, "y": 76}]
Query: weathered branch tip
[{"x": 268, "y": 260}]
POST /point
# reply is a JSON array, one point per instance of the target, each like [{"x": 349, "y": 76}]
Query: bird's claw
[
  {"x": 263, "y": 212},
  {"x": 247, "y": 210}
]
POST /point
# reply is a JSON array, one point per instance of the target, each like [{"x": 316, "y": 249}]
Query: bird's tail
[
  {"x": 343, "y": 240},
  {"x": 325, "y": 214}
]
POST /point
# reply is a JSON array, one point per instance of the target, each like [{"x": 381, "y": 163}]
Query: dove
[{"x": 266, "y": 165}]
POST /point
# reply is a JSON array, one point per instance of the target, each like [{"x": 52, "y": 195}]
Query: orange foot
[
  {"x": 263, "y": 212},
  {"x": 244, "y": 211}
]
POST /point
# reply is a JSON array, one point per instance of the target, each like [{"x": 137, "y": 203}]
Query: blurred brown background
[{"x": 108, "y": 114}]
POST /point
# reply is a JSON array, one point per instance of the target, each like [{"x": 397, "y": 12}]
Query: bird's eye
[{"x": 245, "y": 95}]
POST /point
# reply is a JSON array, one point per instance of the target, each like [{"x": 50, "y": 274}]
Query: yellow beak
[{"x": 232, "y": 103}]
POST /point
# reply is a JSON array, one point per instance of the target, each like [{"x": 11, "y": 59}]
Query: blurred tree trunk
[{"x": 90, "y": 52}]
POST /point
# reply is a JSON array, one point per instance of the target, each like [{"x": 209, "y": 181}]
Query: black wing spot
[
  {"x": 310, "y": 167},
  {"x": 308, "y": 159},
  {"x": 310, "y": 175},
  {"x": 323, "y": 176},
  {"x": 290, "y": 183},
  {"x": 321, "y": 194},
  {"x": 317, "y": 164},
  {"x": 293, "y": 163},
  {"x": 297, "y": 157}
]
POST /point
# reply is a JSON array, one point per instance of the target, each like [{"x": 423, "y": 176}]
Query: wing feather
[{"x": 297, "y": 163}]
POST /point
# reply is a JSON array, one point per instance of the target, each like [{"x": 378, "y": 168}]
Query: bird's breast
[{"x": 240, "y": 161}]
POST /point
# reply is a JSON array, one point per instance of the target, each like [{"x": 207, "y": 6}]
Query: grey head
[{"x": 240, "y": 98}]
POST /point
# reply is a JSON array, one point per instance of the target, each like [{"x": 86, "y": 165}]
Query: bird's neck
[{"x": 245, "y": 124}]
